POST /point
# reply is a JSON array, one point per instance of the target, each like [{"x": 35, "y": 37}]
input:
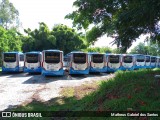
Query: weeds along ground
[{"x": 129, "y": 90}]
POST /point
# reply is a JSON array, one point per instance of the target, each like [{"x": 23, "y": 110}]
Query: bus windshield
[
  {"x": 140, "y": 58},
  {"x": 127, "y": 59},
  {"x": 52, "y": 57},
  {"x": 32, "y": 58},
  {"x": 97, "y": 58},
  {"x": 147, "y": 58},
  {"x": 153, "y": 59},
  {"x": 79, "y": 58},
  {"x": 10, "y": 57},
  {"x": 114, "y": 58}
]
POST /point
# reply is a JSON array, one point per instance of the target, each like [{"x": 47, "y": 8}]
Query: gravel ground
[{"x": 22, "y": 88}]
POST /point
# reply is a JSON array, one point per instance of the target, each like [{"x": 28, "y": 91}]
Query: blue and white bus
[
  {"x": 78, "y": 63},
  {"x": 114, "y": 62},
  {"x": 127, "y": 62},
  {"x": 52, "y": 63},
  {"x": 97, "y": 62},
  {"x": 139, "y": 61},
  {"x": 153, "y": 61},
  {"x": 147, "y": 61},
  {"x": 12, "y": 62},
  {"x": 33, "y": 62}
]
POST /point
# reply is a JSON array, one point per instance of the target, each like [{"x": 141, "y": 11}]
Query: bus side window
[{"x": 21, "y": 57}]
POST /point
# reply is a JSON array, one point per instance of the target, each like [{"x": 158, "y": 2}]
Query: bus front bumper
[
  {"x": 53, "y": 73},
  {"x": 138, "y": 67},
  {"x": 129, "y": 69},
  {"x": 85, "y": 72},
  {"x": 39, "y": 70},
  {"x": 114, "y": 69},
  {"x": 148, "y": 67},
  {"x": 104, "y": 69},
  {"x": 16, "y": 69},
  {"x": 153, "y": 67}
]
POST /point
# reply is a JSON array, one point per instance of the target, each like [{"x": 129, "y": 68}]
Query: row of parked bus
[{"x": 53, "y": 62}]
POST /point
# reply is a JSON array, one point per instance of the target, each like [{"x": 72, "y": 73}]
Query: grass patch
[
  {"x": 135, "y": 90},
  {"x": 79, "y": 91}
]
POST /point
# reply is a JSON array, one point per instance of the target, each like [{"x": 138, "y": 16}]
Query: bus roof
[
  {"x": 154, "y": 56},
  {"x": 33, "y": 52},
  {"x": 138, "y": 54},
  {"x": 148, "y": 55},
  {"x": 77, "y": 52},
  {"x": 91, "y": 53},
  {"x": 112, "y": 54},
  {"x": 54, "y": 50},
  {"x": 127, "y": 54},
  {"x": 13, "y": 52}
]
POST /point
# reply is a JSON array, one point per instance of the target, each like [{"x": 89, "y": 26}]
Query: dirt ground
[{"x": 22, "y": 88}]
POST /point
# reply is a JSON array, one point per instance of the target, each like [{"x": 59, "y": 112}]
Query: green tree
[
  {"x": 38, "y": 39},
  {"x": 118, "y": 51},
  {"x": 122, "y": 19},
  {"x": 8, "y": 14},
  {"x": 9, "y": 40},
  {"x": 28, "y": 43},
  {"x": 14, "y": 40},
  {"x": 140, "y": 49},
  {"x": 67, "y": 39},
  {"x": 150, "y": 49},
  {"x": 3, "y": 40},
  {"x": 98, "y": 49},
  {"x": 60, "y": 37},
  {"x": 153, "y": 50}
]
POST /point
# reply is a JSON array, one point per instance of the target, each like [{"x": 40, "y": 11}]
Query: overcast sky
[
  {"x": 51, "y": 12},
  {"x": 31, "y": 12}
]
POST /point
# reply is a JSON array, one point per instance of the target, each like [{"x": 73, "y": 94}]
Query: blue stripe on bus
[
  {"x": 53, "y": 73},
  {"x": 114, "y": 69},
  {"x": 72, "y": 71},
  {"x": 148, "y": 67},
  {"x": 130, "y": 69},
  {"x": 104, "y": 69},
  {"x": 39, "y": 69},
  {"x": 16, "y": 69}
]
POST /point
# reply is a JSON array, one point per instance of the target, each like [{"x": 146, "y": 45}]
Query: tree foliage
[
  {"x": 150, "y": 49},
  {"x": 9, "y": 40},
  {"x": 140, "y": 49},
  {"x": 67, "y": 39},
  {"x": 8, "y": 14},
  {"x": 121, "y": 19},
  {"x": 38, "y": 39},
  {"x": 60, "y": 37},
  {"x": 98, "y": 49},
  {"x": 118, "y": 51}
]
